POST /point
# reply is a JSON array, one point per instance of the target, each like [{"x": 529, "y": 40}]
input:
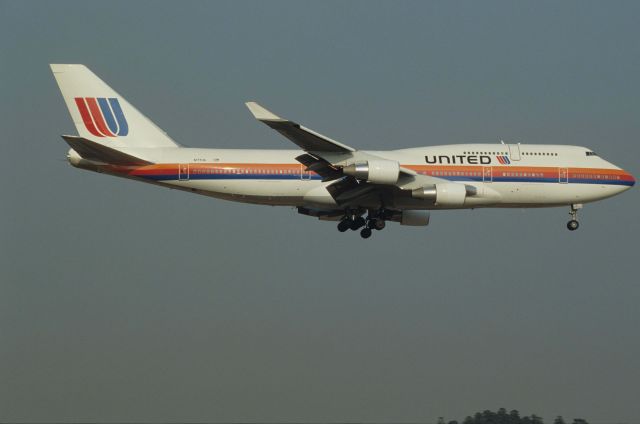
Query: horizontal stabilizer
[{"x": 96, "y": 152}]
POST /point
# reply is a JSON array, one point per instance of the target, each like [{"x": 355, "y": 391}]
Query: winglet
[{"x": 262, "y": 114}]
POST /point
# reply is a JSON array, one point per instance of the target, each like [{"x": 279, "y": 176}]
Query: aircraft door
[
  {"x": 514, "y": 151},
  {"x": 183, "y": 172},
  {"x": 487, "y": 174},
  {"x": 304, "y": 174},
  {"x": 563, "y": 175}
]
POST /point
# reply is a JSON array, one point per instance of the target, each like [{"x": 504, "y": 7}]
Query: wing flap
[
  {"x": 349, "y": 189},
  {"x": 320, "y": 166},
  {"x": 325, "y": 215}
]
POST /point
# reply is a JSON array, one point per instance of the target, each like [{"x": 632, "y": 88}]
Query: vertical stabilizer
[{"x": 102, "y": 115}]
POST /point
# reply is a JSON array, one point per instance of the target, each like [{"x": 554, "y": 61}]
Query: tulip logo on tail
[{"x": 103, "y": 117}]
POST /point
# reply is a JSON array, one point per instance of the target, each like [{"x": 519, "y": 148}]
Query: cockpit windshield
[{"x": 591, "y": 154}]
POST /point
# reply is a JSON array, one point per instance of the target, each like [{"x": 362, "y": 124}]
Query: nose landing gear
[{"x": 573, "y": 224}]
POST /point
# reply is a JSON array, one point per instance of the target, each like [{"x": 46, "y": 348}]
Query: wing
[
  {"x": 307, "y": 139},
  {"x": 320, "y": 147},
  {"x": 327, "y": 158}
]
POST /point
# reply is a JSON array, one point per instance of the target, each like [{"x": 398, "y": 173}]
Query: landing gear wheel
[
  {"x": 344, "y": 225},
  {"x": 365, "y": 233},
  {"x": 357, "y": 223},
  {"x": 573, "y": 225},
  {"x": 573, "y": 213},
  {"x": 378, "y": 224}
]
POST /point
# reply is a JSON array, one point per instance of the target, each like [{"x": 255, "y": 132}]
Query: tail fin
[{"x": 102, "y": 115}]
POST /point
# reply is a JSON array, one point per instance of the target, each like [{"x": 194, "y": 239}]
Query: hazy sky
[{"x": 122, "y": 301}]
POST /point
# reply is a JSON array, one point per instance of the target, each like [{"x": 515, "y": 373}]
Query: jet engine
[
  {"x": 377, "y": 171},
  {"x": 447, "y": 194}
]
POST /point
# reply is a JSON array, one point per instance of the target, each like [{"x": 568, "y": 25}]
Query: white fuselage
[{"x": 504, "y": 175}]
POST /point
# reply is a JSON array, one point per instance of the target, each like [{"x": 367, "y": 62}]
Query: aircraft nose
[{"x": 629, "y": 179}]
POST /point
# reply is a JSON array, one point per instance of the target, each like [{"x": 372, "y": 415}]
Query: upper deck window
[{"x": 591, "y": 154}]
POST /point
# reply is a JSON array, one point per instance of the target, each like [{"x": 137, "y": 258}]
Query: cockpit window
[{"x": 591, "y": 154}]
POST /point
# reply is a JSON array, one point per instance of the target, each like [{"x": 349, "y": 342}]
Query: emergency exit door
[
  {"x": 563, "y": 175},
  {"x": 183, "y": 172},
  {"x": 487, "y": 174}
]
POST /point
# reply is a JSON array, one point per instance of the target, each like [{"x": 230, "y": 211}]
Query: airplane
[{"x": 324, "y": 178}]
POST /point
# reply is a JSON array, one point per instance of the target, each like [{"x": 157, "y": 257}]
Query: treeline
[{"x": 513, "y": 417}]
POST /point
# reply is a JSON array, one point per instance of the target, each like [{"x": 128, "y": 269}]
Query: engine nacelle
[
  {"x": 377, "y": 171},
  {"x": 450, "y": 194},
  {"x": 447, "y": 194},
  {"x": 414, "y": 217}
]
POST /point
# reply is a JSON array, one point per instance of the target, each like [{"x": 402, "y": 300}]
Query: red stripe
[
  {"x": 86, "y": 117},
  {"x": 97, "y": 117}
]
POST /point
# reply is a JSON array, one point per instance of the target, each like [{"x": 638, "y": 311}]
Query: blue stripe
[
  {"x": 174, "y": 177},
  {"x": 108, "y": 115},
  {"x": 123, "y": 127},
  {"x": 605, "y": 182}
]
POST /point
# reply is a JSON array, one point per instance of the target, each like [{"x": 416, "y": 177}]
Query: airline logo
[
  {"x": 503, "y": 160},
  {"x": 102, "y": 116}
]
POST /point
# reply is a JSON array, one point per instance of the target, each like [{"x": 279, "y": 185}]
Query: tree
[
  {"x": 559, "y": 420},
  {"x": 536, "y": 419},
  {"x": 502, "y": 417},
  {"x": 512, "y": 417}
]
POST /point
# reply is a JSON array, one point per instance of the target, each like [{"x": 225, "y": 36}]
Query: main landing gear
[
  {"x": 573, "y": 212},
  {"x": 352, "y": 220}
]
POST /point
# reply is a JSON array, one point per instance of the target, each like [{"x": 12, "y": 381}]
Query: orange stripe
[{"x": 428, "y": 169}]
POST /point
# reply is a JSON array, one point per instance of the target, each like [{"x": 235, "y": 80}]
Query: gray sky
[{"x": 122, "y": 301}]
